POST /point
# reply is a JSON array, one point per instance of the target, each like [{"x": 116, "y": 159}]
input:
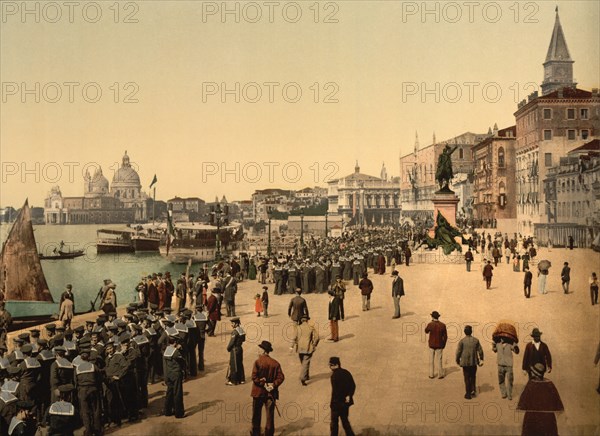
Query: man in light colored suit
[
  {"x": 469, "y": 355},
  {"x": 306, "y": 341},
  {"x": 397, "y": 292}
]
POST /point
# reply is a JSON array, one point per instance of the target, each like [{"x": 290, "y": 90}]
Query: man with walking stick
[{"x": 267, "y": 376}]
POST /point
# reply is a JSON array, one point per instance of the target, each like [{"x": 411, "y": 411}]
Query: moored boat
[
  {"x": 114, "y": 241},
  {"x": 22, "y": 279},
  {"x": 198, "y": 242}
]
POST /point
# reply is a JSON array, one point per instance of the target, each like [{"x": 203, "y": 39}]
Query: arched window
[
  {"x": 502, "y": 188},
  {"x": 461, "y": 154},
  {"x": 501, "y": 157}
]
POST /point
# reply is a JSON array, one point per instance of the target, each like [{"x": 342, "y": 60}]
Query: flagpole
[{"x": 153, "y": 203}]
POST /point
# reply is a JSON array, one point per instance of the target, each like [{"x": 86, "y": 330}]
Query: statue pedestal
[{"x": 444, "y": 202}]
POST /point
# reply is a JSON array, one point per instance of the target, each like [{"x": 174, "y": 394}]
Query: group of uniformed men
[{"x": 97, "y": 375}]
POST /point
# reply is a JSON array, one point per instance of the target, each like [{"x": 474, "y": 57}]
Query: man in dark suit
[
  {"x": 527, "y": 282},
  {"x": 342, "y": 391},
  {"x": 297, "y": 307},
  {"x": 487, "y": 274},
  {"x": 565, "y": 276},
  {"x": 267, "y": 376},
  {"x": 536, "y": 352},
  {"x": 469, "y": 355},
  {"x": 397, "y": 292}
]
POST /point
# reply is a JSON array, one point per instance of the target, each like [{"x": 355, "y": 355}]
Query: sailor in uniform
[
  {"x": 23, "y": 423},
  {"x": 128, "y": 381},
  {"x": 61, "y": 372},
  {"x": 200, "y": 318},
  {"x": 11, "y": 384},
  {"x": 141, "y": 342},
  {"x": 174, "y": 370},
  {"x": 61, "y": 414},
  {"x": 46, "y": 358},
  {"x": 115, "y": 367},
  {"x": 87, "y": 381},
  {"x": 30, "y": 375},
  {"x": 8, "y": 409}
]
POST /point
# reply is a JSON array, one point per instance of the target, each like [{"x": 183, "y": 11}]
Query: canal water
[{"x": 86, "y": 273}]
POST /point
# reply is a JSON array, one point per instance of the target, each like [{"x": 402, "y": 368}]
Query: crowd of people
[{"x": 97, "y": 375}]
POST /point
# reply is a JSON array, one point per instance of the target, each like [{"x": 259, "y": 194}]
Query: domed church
[
  {"x": 121, "y": 202},
  {"x": 126, "y": 187}
]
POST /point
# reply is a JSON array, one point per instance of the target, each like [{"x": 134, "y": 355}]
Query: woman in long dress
[{"x": 235, "y": 374}]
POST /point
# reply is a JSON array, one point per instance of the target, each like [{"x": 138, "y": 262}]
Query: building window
[
  {"x": 571, "y": 134},
  {"x": 460, "y": 153},
  {"x": 584, "y": 113},
  {"x": 547, "y": 135},
  {"x": 547, "y": 114},
  {"x": 585, "y": 134},
  {"x": 501, "y": 157},
  {"x": 548, "y": 159},
  {"x": 570, "y": 114}
]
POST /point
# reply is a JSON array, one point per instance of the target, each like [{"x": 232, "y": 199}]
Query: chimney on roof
[{"x": 594, "y": 92}]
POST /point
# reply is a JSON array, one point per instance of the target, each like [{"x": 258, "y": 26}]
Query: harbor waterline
[{"x": 86, "y": 273}]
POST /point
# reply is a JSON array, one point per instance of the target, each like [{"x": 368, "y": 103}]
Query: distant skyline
[{"x": 378, "y": 66}]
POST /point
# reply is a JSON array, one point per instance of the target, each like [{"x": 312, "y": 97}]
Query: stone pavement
[{"x": 389, "y": 357}]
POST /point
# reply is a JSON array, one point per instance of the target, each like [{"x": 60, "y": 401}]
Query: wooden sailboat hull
[
  {"x": 32, "y": 310},
  {"x": 22, "y": 279}
]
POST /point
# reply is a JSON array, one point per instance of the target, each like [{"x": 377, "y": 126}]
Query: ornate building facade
[
  {"x": 548, "y": 127},
  {"x": 573, "y": 196},
  {"x": 101, "y": 203},
  {"x": 494, "y": 187},
  {"x": 365, "y": 200}
]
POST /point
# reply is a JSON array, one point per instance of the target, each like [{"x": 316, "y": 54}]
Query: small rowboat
[{"x": 62, "y": 255}]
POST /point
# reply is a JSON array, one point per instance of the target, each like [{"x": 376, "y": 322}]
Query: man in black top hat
[{"x": 342, "y": 391}]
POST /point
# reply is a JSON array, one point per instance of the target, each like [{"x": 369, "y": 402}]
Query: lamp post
[
  {"x": 302, "y": 230},
  {"x": 269, "y": 213},
  {"x": 326, "y": 216},
  {"x": 218, "y": 213}
]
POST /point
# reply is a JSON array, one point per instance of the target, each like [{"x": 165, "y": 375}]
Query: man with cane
[{"x": 267, "y": 376}]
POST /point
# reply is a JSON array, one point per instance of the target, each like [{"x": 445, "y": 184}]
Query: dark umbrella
[{"x": 544, "y": 264}]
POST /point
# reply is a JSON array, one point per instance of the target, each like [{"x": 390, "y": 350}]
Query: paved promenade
[{"x": 389, "y": 357}]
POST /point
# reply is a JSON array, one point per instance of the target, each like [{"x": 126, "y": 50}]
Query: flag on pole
[
  {"x": 170, "y": 230},
  {"x": 154, "y": 180}
]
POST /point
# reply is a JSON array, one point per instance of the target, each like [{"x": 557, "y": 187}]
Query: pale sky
[{"x": 374, "y": 63}]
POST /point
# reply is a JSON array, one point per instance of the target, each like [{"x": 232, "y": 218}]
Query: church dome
[
  {"x": 96, "y": 186},
  {"x": 126, "y": 176},
  {"x": 99, "y": 181}
]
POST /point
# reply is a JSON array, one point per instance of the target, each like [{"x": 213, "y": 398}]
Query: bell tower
[{"x": 558, "y": 67}]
